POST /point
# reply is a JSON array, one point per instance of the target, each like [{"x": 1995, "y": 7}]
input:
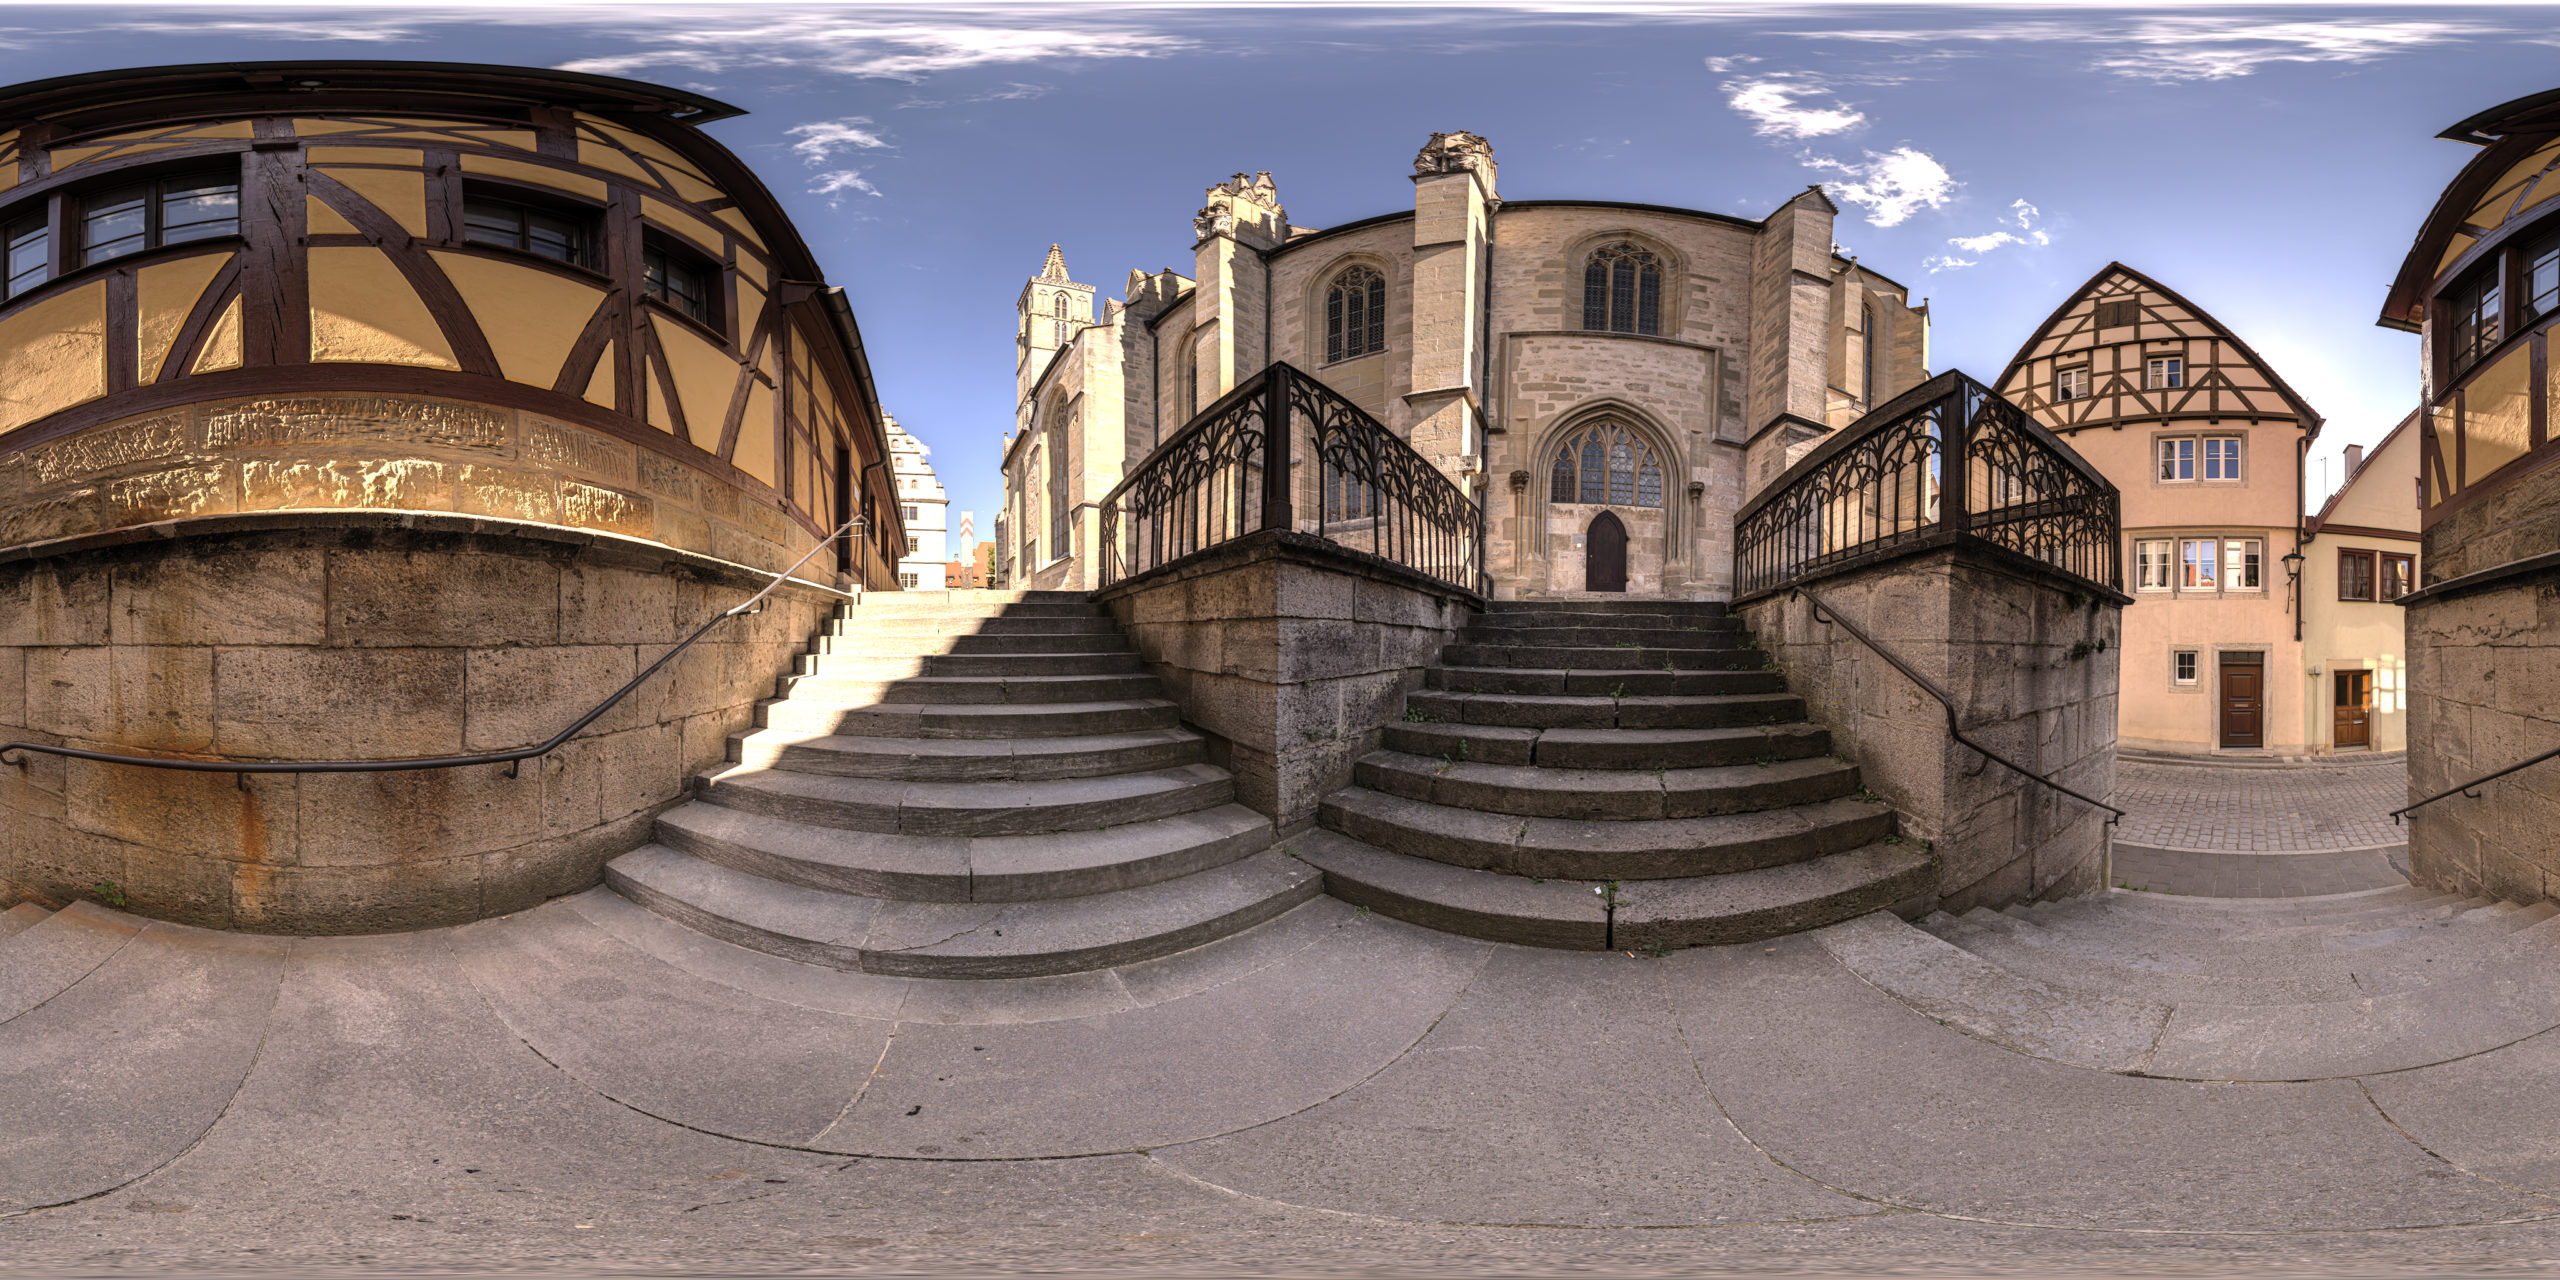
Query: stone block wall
[
  {"x": 1293, "y": 654},
  {"x": 2031, "y": 666},
  {"x": 360, "y": 634}
]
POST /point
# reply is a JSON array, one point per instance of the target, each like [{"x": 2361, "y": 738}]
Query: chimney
[{"x": 2355, "y": 458}]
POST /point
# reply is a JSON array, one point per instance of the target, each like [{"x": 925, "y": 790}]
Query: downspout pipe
[{"x": 2301, "y": 452}]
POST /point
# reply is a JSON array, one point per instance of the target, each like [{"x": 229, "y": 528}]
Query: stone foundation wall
[
  {"x": 347, "y": 634},
  {"x": 2484, "y": 693},
  {"x": 2031, "y": 667},
  {"x": 1291, "y": 653}
]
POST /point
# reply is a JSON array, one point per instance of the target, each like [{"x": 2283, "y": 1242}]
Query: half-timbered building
[{"x": 2205, "y": 442}]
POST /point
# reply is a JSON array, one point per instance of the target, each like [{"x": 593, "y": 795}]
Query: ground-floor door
[
  {"x": 2352, "y": 725},
  {"x": 1604, "y": 557},
  {"x": 2244, "y": 699}
]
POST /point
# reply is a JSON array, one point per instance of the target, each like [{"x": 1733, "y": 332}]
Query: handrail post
[
  {"x": 1955, "y": 447},
  {"x": 1279, "y": 443}
]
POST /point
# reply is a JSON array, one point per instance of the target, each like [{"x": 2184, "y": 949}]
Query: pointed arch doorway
[{"x": 1604, "y": 554}]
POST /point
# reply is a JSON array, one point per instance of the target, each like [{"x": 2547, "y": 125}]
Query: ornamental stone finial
[{"x": 1457, "y": 152}]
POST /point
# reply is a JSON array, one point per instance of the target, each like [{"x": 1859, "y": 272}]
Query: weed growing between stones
[{"x": 108, "y": 892}]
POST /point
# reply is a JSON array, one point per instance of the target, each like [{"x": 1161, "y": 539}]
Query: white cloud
[
  {"x": 2022, "y": 215},
  {"x": 1012, "y": 92},
  {"x": 1733, "y": 63},
  {"x": 1892, "y": 186},
  {"x": 820, "y": 139},
  {"x": 2178, "y": 48},
  {"x": 1771, "y": 105},
  {"x": 835, "y": 182},
  {"x": 833, "y": 41}
]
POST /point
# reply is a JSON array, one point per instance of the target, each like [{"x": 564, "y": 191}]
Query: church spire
[{"x": 1056, "y": 267}]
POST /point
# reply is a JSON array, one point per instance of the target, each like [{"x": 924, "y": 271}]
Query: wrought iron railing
[
  {"x": 398, "y": 764},
  {"x": 1881, "y": 487},
  {"x": 1285, "y": 451}
]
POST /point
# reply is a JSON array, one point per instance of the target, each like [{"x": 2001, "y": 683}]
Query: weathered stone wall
[
  {"x": 317, "y": 635},
  {"x": 2031, "y": 667},
  {"x": 2484, "y": 693},
  {"x": 1291, "y": 653}
]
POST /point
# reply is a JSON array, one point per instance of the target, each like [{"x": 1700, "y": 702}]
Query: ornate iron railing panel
[
  {"x": 1329, "y": 470},
  {"x": 1882, "y": 486}
]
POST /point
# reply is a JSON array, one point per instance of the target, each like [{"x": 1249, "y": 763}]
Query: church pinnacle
[{"x": 1056, "y": 267}]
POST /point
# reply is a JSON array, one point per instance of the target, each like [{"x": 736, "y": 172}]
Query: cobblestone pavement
[{"x": 2258, "y": 808}]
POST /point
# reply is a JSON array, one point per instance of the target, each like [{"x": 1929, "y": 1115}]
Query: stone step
[
  {"x": 1965, "y": 991},
  {"x": 20, "y": 918},
  {"x": 2114, "y": 915},
  {"x": 892, "y": 666},
  {"x": 42, "y": 960},
  {"x": 1708, "y": 633},
  {"x": 983, "y": 625},
  {"x": 927, "y": 720},
  {"x": 1563, "y": 848},
  {"x": 1608, "y": 748},
  {"x": 971, "y": 690},
  {"x": 953, "y": 596},
  {"x": 966, "y": 759},
  {"x": 2452, "y": 935},
  {"x": 1508, "y": 609},
  {"x": 1601, "y": 683},
  {"x": 1539, "y": 711},
  {"x": 2253, "y": 913},
  {"x": 965, "y": 868},
  {"x": 962, "y": 940},
  {"x": 1611, "y": 795},
  {"x": 1589, "y": 916},
  {"x": 969, "y": 808},
  {"x": 2063, "y": 960},
  {"x": 1034, "y": 609},
  {"x": 2534, "y": 948},
  {"x": 2300, "y": 952},
  {"x": 916, "y": 645},
  {"x": 1607, "y": 657}
]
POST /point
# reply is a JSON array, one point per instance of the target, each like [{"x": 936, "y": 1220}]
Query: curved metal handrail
[
  {"x": 511, "y": 759},
  {"x": 1930, "y": 687},
  {"x": 2466, "y": 788}
]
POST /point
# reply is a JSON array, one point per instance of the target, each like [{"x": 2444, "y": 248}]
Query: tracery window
[
  {"x": 1606, "y": 463},
  {"x": 1355, "y": 315},
  {"x": 1622, "y": 291},
  {"x": 1058, "y": 512},
  {"x": 1058, "y": 310}
]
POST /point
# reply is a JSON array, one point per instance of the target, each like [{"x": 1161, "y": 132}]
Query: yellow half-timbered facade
[{"x": 528, "y": 294}]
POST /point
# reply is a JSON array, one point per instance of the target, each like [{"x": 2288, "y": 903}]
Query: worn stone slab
[
  {"x": 1850, "y": 1087},
  {"x": 661, "y": 1040},
  {"x": 2490, "y": 1113},
  {"x": 44, "y": 960},
  {"x": 125, "y": 1070},
  {"x": 2437, "y": 1023},
  {"x": 1744, "y": 906},
  {"x": 2081, "y": 1028},
  {"x": 1571, "y": 914},
  {"x": 971, "y": 808},
  {"x": 968, "y": 760},
  {"x": 2095, "y": 967},
  {"x": 1588, "y": 1113},
  {"x": 1243, "y": 1053},
  {"x": 19, "y": 919}
]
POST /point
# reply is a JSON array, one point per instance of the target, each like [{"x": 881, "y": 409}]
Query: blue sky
[{"x": 2272, "y": 163}]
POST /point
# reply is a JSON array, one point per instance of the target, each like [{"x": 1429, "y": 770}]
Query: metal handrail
[
  {"x": 511, "y": 759},
  {"x": 1954, "y": 730},
  {"x": 2465, "y": 790}
]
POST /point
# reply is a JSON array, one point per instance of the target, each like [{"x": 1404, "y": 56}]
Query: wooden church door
[{"x": 1604, "y": 557}]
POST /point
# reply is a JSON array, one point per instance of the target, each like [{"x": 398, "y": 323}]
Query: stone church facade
[{"x": 1605, "y": 377}]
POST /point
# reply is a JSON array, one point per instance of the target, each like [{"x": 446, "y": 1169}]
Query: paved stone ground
[
  {"x": 586, "y": 1087},
  {"x": 2211, "y": 874},
  {"x": 2253, "y": 808}
]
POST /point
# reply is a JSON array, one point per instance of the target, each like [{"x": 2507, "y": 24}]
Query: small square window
[
  {"x": 907, "y": 580},
  {"x": 680, "y": 280},
  {"x": 2222, "y": 457},
  {"x": 2118, "y": 313},
  {"x": 2182, "y": 666},
  {"x": 2178, "y": 459},
  {"x": 2355, "y": 575},
  {"x": 2399, "y": 575},
  {"x": 2164, "y": 372},
  {"x": 2071, "y": 383}
]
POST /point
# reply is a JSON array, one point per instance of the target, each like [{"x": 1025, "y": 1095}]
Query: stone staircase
[
  {"x": 2258, "y": 989},
  {"x": 972, "y": 784},
  {"x": 1610, "y": 774}
]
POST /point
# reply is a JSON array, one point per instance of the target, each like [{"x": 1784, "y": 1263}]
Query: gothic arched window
[
  {"x": 1622, "y": 291},
  {"x": 1058, "y": 309},
  {"x": 1058, "y": 468},
  {"x": 1355, "y": 314},
  {"x": 1867, "y": 324},
  {"x": 1605, "y": 463}
]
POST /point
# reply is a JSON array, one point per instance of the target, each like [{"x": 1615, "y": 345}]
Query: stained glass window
[
  {"x": 1606, "y": 463},
  {"x": 1355, "y": 314},
  {"x": 1622, "y": 291}
]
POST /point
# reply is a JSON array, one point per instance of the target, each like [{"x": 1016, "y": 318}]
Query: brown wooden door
[
  {"x": 2244, "y": 678},
  {"x": 2352, "y": 726},
  {"x": 1604, "y": 555}
]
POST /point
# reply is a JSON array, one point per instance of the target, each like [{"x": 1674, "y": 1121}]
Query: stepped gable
[
  {"x": 2251, "y": 989},
  {"x": 1610, "y": 774},
  {"x": 966, "y": 784}
]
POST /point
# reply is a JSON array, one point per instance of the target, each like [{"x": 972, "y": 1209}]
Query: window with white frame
[
  {"x": 2163, "y": 372},
  {"x": 2211, "y": 458},
  {"x": 912, "y": 544},
  {"x": 2151, "y": 560},
  {"x": 2182, "y": 666},
  {"x": 907, "y": 580},
  {"x": 907, "y": 512},
  {"x": 2071, "y": 383},
  {"x": 2199, "y": 564},
  {"x": 2240, "y": 564}
]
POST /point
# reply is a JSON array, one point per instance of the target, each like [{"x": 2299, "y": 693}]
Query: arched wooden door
[{"x": 1604, "y": 554}]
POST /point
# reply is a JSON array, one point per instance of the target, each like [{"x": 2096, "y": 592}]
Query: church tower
[{"x": 1050, "y": 312}]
